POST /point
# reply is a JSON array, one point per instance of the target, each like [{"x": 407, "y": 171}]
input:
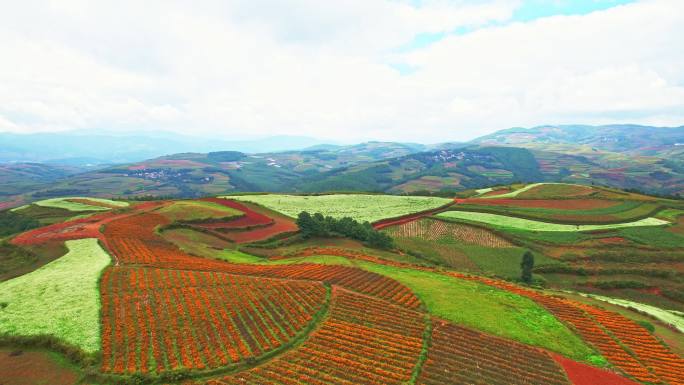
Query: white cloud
[{"x": 305, "y": 67}]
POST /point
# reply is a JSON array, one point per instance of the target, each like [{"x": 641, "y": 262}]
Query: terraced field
[{"x": 319, "y": 315}]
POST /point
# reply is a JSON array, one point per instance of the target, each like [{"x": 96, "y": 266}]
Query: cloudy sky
[{"x": 346, "y": 70}]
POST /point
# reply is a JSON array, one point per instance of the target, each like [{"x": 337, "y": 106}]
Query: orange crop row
[
  {"x": 608, "y": 333},
  {"x": 133, "y": 240},
  {"x": 364, "y": 341},
  {"x": 159, "y": 320},
  {"x": 651, "y": 352},
  {"x": 462, "y": 356}
]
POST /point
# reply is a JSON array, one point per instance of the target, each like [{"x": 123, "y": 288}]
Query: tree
[
  {"x": 317, "y": 225},
  {"x": 305, "y": 223},
  {"x": 526, "y": 267}
]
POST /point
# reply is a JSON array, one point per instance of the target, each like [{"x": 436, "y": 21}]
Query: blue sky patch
[{"x": 529, "y": 10}]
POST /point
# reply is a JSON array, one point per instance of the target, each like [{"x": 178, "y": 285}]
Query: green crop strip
[
  {"x": 60, "y": 300},
  {"x": 503, "y": 221}
]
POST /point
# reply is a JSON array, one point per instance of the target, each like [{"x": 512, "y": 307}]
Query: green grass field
[
  {"x": 361, "y": 207},
  {"x": 506, "y": 222},
  {"x": 60, "y": 299},
  {"x": 64, "y": 203},
  {"x": 197, "y": 211},
  {"x": 477, "y": 305}
]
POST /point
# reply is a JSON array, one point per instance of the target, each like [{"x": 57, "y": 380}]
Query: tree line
[{"x": 317, "y": 225}]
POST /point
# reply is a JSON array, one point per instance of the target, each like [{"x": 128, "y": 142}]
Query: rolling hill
[
  {"x": 652, "y": 163},
  {"x": 234, "y": 290}
]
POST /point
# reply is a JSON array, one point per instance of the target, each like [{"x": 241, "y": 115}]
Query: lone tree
[{"x": 526, "y": 267}]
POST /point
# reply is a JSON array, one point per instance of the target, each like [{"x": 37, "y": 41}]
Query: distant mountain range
[
  {"x": 79, "y": 148},
  {"x": 650, "y": 159},
  {"x": 629, "y": 138}
]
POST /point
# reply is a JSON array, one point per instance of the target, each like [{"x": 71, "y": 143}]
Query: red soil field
[
  {"x": 559, "y": 204},
  {"x": 253, "y": 226},
  {"x": 364, "y": 340},
  {"x": 33, "y": 367},
  {"x": 462, "y": 356},
  {"x": 581, "y": 374},
  {"x": 159, "y": 320},
  {"x": 74, "y": 229},
  {"x": 251, "y": 217},
  {"x": 132, "y": 240}
]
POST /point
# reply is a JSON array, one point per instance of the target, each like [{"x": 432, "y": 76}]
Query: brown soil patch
[{"x": 31, "y": 368}]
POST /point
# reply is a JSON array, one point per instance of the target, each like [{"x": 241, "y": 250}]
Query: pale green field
[
  {"x": 369, "y": 208},
  {"x": 60, "y": 299},
  {"x": 63, "y": 203},
  {"x": 515, "y": 193},
  {"x": 504, "y": 221},
  {"x": 197, "y": 210}
]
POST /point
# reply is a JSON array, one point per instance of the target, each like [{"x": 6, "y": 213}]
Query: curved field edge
[
  {"x": 476, "y": 305},
  {"x": 517, "y": 192},
  {"x": 60, "y": 300},
  {"x": 504, "y": 221},
  {"x": 196, "y": 211},
  {"x": 620, "y": 213},
  {"x": 362, "y": 207},
  {"x": 193, "y": 374},
  {"x": 665, "y": 316},
  {"x": 64, "y": 203}
]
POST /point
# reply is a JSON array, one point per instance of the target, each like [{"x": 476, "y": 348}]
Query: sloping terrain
[
  {"x": 647, "y": 159},
  {"x": 310, "y": 313}
]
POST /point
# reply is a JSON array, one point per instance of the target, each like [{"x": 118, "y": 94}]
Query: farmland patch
[
  {"x": 502, "y": 221},
  {"x": 60, "y": 299},
  {"x": 361, "y": 207}
]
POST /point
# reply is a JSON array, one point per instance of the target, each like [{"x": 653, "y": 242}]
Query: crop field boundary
[
  {"x": 515, "y": 241},
  {"x": 427, "y": 344},
  {"x": 502, "y": 212},
  {"x": 400, "y": 220},
  {"x": 592, "y": 227},
  {"x": 186, "y": 374}
]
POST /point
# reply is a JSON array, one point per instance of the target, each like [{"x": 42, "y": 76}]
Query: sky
[{"x": 349, "y": 70}]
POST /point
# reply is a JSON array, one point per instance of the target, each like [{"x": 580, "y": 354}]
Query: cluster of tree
[{"x": 319, "y": 226}]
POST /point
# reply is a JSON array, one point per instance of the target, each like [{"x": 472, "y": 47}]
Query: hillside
[
  {"x": 231, "y": 290},
  {"x": 633, "y": 139},
  {"x": 571, "y": 154}
]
